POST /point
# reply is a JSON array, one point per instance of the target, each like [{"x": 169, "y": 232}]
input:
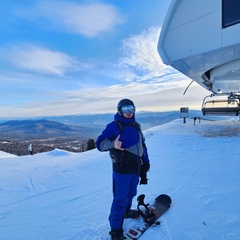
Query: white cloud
[
  {"x": 141, "y": 63},
  {"x": 105, "y": 100},
  {"x": 140, "y": 76},
  {"x": 151, "y": 97},
  {"x": 39, "y": 59},
  {"x": 140, "y": 52},
  {"x": 89, "y": 20}
]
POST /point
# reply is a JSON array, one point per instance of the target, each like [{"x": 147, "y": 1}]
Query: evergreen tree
[{"x": 90, "y": 144}]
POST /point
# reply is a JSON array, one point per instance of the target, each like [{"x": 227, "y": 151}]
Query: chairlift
[{"x": 215, "y": 105}]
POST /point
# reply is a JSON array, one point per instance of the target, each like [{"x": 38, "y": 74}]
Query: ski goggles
[{"x": 128, "y": 109}]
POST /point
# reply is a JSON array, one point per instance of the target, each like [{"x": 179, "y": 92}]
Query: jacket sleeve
[
  {"x": 145, "y": 158},
  {"x": 105, "y": 141},
  {"x": 145, "y": 155}
]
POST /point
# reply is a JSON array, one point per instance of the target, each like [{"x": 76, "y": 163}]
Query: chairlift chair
[{"x": 218, "y": 106}]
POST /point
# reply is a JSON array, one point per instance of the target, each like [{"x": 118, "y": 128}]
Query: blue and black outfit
[{"x": 126, "y": 164}]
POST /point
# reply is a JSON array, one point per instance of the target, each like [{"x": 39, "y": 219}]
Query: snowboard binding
[
  {"x": 147, "y": 214},
  {"x": 150, "y": 214}
]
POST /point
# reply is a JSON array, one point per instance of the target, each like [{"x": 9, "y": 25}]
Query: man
[
  {"x": 125, "y": 142},
  {"x": 30, "y": 149}
]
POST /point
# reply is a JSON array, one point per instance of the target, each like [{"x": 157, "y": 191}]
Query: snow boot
[
  {"x": 116, "y": 234},
  {"x": 131, "y": 214}
]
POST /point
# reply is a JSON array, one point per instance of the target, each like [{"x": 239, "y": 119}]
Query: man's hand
[
  {"x": 143, "y": 174},
  {"x": 117, "y": 143}
]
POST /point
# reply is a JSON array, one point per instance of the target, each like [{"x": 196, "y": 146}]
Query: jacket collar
[{"x": 124, "y": 120}]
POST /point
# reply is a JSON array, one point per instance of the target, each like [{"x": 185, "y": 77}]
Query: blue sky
[{"x": 72, "y": 57}]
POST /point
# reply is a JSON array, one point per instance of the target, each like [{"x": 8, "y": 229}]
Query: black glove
[{"x": 143, "y": 173}]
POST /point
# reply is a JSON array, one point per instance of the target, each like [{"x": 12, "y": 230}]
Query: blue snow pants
[{"x": 124, "y": 190}]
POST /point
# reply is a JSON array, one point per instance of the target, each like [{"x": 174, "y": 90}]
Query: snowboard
[{"x": 149, "y": 215}]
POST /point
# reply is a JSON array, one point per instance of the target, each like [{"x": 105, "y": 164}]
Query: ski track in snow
[
  {"x": 35, "y": 196},
  {"x": 32, "y": 185},
  {"x": 188, "y": 178}
]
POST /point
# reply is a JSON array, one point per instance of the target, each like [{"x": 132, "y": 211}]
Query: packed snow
[{"x": 60, "y": 195}]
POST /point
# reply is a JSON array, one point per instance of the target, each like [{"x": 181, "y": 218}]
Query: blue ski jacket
[{"x": 135, "y": 151}]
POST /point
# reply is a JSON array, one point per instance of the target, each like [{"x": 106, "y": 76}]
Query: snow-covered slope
[
  {"x": 6, "y": 155},
  {"x": 67, "y": 196}
]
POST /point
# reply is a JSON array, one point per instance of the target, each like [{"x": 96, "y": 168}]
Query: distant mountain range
[
  {"x": 42, "y": 129},
  {"x": 70, "y": 133},
  {"x": 82, "y": 126},
  {"x": 146, "y": 119}
]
